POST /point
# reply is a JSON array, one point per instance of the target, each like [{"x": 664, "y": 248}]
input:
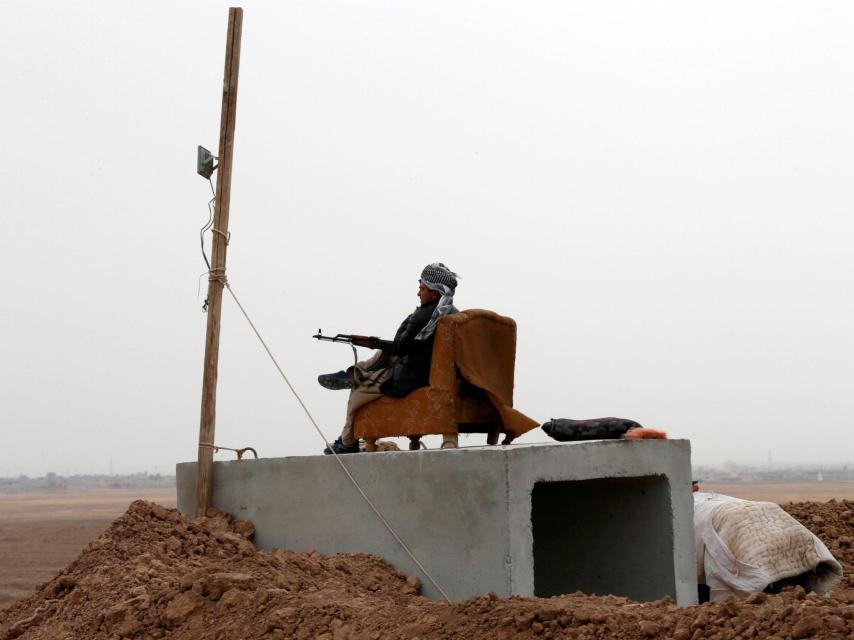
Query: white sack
[{"x": 743, "y": 546}]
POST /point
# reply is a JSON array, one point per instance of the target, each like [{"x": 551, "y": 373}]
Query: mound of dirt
[
  {"x": 156, "y": 574},
  {"x": 831, "y": 521}
]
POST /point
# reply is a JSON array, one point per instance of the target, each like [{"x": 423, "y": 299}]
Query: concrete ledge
[{"x": 600, "y": 517}]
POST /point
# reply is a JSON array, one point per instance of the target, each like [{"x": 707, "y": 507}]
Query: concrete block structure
[{"x": 601, "y": 517}]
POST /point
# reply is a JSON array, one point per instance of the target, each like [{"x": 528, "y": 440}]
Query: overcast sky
[{"x": 660, "y": 194}]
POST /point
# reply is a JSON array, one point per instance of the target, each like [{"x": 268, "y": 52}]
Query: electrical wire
[
  {"x": 202, "y": 231},
  {"x": 208, "y": 224},
  {"x": 337, "y": 457},
  {"x": 221, "y": 278}
]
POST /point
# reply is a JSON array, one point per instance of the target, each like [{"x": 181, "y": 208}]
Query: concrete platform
[{"x": 604, "y": 517}]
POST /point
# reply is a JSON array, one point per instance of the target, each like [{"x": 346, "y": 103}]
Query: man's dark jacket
[{"x": 412, "y": 369}]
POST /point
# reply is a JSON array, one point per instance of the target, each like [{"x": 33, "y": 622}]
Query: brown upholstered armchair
[{"x": 470, "y": 390}]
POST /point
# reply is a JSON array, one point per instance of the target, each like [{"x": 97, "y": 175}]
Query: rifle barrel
[{"x": 367, "y": 341}]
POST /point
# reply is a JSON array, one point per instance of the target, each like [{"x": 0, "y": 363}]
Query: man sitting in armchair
[{"x": 406, "y": 366}]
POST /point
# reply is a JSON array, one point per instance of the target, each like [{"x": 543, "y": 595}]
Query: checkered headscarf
[{"x": 437, "y": 277}]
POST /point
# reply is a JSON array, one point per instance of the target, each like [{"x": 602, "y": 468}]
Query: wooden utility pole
[{"x": 217, "y": 273}]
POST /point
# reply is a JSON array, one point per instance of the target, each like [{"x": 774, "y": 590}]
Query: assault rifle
[{"x": 370, "y": 342}]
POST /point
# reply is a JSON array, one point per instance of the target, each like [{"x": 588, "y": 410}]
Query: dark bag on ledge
[{"x": 566, "y": 430}]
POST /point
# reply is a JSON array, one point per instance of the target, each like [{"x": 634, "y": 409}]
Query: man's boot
[
  {"x": 340, "y": 448},
  {"x": 339, "y": 380}
]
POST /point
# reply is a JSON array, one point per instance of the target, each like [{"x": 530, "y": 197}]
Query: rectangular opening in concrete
[{"x": 603, "y": 536}]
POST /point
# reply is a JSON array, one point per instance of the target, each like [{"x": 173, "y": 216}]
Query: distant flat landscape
[
  {"x": 42, "y": 531},
  {"x": 32, "y": 506},
  {"x": 785, "y": 492}
]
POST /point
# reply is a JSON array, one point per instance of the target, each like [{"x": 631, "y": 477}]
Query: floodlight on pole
[{"x": 205, "y": 163}]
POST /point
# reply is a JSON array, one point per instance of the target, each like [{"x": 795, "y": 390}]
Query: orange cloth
[{"x": 485, "y": 355}]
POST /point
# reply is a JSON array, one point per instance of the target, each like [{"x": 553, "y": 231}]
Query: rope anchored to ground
[{"x": 220, "y": 276}]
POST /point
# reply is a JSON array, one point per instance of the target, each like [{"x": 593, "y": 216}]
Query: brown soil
[{"x": 155, "y": 574}]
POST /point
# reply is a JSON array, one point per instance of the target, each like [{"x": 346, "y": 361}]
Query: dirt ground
[
  {"x": 41, "y": 532},
  {"x": 155, "y": 574}
]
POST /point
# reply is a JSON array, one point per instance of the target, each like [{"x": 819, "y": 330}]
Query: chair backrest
[{"x": 480, "y": 344}]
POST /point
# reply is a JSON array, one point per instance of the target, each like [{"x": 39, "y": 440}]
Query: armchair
[{"x": 470, "y": 388}]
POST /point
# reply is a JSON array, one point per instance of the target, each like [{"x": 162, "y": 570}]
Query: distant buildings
[{"x": 54, "y": 482}]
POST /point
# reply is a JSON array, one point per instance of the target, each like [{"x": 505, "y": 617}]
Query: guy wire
[
  {"x": 344, "y": 468},
  {"x": 220, "y": 276}
]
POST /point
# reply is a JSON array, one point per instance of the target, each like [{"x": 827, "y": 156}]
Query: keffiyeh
[{"x": 437, "y": 277}]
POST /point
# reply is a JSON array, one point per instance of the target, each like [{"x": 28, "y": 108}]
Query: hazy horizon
[
  {"x": 660, "y": 195},
  {"x": 728, "y": 464}
]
